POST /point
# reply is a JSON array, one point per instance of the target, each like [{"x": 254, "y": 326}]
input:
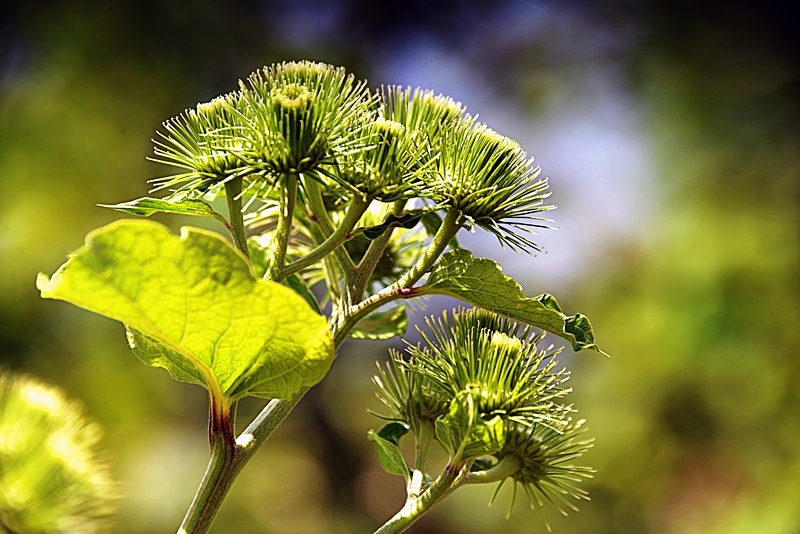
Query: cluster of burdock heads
[
  {"x": 308, "y": 133},
  {"x": 351, "y": 196}
]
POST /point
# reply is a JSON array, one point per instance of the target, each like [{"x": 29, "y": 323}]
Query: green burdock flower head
[
  {"x": 425, "y": 115},
  {"x": 492, "y": 358},
  {"x": 419, "y": 110},
  {"x": 207, "y": 142},
  {"x": 288, "y": 118},
  {"x": 389, "y": 168},
  {"x": 496, "y": 359},
  {"x": 496, "y": 401},
  {"x": 493, "y": 182},
  {"x": 303, "y": 115},
  {"x": 543, "y": 458},
  {"x": 52, "y": 476},
  {"x": 405, "y": 394}
]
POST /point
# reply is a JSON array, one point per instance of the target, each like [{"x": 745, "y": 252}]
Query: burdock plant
[{"x": 343, "y": 206}]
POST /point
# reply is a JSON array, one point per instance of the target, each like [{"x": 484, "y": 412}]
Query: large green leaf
[
  {"x": 192, "y": 306},
  {"x": 481, "y": 282}
]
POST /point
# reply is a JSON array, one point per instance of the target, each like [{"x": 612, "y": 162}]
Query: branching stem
[
  {"x": 372, "y": 256},
  {"x": 228, "y": 456},
  {"x": 415, "y": 507},
  {"x": 403, "y": 287},
  {"x": 317, "y": 206},
  {"x": 344, "y": 232},
  {"x": 447, "y": 231}
]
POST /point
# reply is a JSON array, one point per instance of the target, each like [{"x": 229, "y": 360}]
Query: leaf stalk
[
  {"x": 233, "y": 194},
  {"x": 284, "y": 230}
]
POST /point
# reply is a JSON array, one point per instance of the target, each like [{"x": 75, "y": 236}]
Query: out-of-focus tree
[{"x": 698, "y": 412}]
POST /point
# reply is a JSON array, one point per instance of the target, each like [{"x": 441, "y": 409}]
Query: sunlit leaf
[
  {"x": 481, "y": 282},
  {"x": 192, "y": 306}
]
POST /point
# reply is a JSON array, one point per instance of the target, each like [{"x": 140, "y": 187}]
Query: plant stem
[
  {"x": 402, "y": 288},
  {"x": 331, "y": 278},
  {"x": 372, "y": 256},
  {"x": 265, "y": 423},
  {"x": 423, "y": 439},
  {"x": 233, "y": 194},
  {"x": 228, "y": 457},
  {"x": 317, "y": 207},
  {"x": 447, "y": 231},
  {"x": 284, "y": 229},
  {"x": 510, "y": 464},
  {"x": 344, "y": 232},
  {"x": 450, "y": 479},
  {"x": 220, "y": 472}
]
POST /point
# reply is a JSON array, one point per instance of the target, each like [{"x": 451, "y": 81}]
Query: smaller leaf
[
  {"x": 407, "y": 220},
  {"x": 481, "y": 282},
  {"x": 387, "y": 447},
  {"x": 382, "y": 324},
  {"x": 296, "y": 282},
  {"x": 393, "y": 432},
  {"x": 260, "y": 256},
  {"x": 147, "y": 206}
]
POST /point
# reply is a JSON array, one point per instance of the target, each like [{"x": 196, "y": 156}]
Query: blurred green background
[{"x": 671, "y": 136}]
